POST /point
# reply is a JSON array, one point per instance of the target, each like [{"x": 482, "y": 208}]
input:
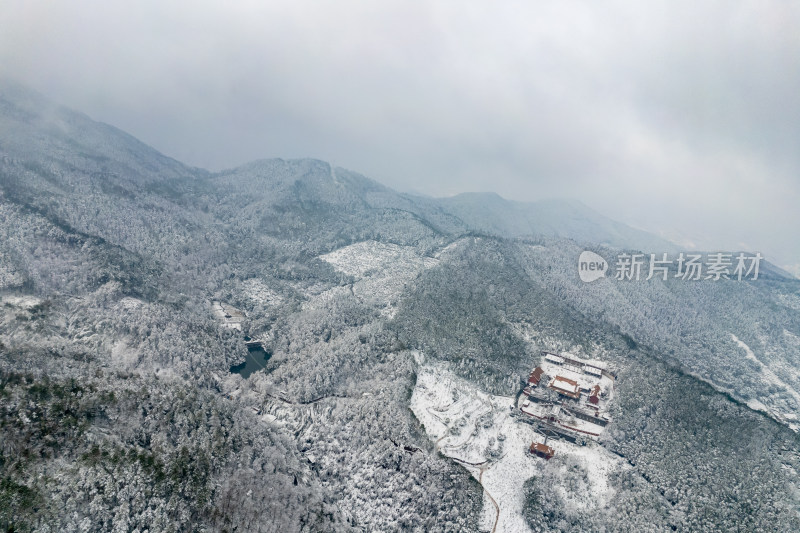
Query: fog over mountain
[
  {"x": 289, "y": 345},
  {"x": 677, "y": 118},
  {"x": 450, "y": 267}
]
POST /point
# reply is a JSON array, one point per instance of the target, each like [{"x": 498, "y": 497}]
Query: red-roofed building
[
  {"x": 594, "y": 395},
  {"x": 542, "y": 450},
  {"x": 566, "y": 387},
  {"x": 535, "y": 377}
]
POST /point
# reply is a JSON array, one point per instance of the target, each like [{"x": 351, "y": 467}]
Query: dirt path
[
  {"x": 497, "y": 507},
  {"x": 469, "y": 434}
]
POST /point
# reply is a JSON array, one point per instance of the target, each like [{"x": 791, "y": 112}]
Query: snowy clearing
[
  {"x": 21, "y": 302},
  {"x": 229, "y": 316},
  {"x": 381, "y": 270},
  {"x": 367, "y": 258},
  {"x": 483, "y": 434}
]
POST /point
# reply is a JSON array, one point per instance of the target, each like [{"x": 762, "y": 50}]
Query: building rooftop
[
  {"x": 565, "y": 386},
  {"x": 536, "y": 375},
  {"x": 557, "y": 359},
  {"x": 542, "y": 449},
  {"x": 592, "y": 370}
]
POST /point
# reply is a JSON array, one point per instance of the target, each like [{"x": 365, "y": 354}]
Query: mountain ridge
[
  {"x": 109, "y": 158},
  {"x": 126, "y": 302}
]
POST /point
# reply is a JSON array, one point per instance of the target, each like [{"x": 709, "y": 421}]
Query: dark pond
[{"x": 256, "y": 359}]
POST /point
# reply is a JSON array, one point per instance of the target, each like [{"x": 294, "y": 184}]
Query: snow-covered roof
[
  {"x": 575, "y": 360},
  {"x": 542, "y": 448},
  {"x": 554, "y": 358},
  {"x": 592, "y": 370},
  {"x": 565, "y": 384}
]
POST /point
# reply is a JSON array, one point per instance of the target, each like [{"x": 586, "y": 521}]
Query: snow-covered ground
[
  {"x": 367, "y": 258},
  {"x": 21, "y": 302},
  {"x": 769, "y": 377},
  {"x": 381, "y": 270},
  {"x": 229, "y": 316},
  {"x": 479, "y": 431}
]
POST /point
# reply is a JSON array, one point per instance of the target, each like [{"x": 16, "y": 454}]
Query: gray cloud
[{"x": 672, "y": 116}]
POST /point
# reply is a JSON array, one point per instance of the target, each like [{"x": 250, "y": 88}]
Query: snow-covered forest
[{"x": 119, "y": 412}]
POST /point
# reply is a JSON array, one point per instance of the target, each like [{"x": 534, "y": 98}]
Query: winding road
[{"x": 497, "y": 507}]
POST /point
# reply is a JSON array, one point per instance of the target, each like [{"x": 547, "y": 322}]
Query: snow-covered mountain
[
  {"x": 398, "y": 332},
  {"x": 569, "y": 219}
]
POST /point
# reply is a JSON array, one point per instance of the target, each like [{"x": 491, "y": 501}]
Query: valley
[{"x": 414, "y": 349}]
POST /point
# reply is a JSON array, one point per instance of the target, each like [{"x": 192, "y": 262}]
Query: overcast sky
[{"x": 682, "y": 118}]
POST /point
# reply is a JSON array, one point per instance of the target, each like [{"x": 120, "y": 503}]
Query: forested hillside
[{"x": 119, "y": 410}]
